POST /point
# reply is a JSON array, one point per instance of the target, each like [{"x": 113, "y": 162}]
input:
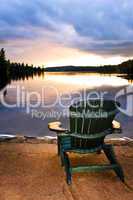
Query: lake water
[{"x": 46, "y": 98}]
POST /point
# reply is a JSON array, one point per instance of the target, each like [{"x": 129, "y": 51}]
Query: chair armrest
[
  {"x": 56, "y": 127},
  {"x": 116, "y": 126}
]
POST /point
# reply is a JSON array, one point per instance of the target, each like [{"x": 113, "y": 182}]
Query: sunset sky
[{"x": 65, "y": 32}]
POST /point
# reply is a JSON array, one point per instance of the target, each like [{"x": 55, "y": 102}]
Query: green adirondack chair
[{"x": 90, "y": 122}]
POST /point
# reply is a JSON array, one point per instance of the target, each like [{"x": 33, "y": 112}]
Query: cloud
[{"x": 100, "y": 26}]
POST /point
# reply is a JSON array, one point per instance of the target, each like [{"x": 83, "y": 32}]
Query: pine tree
[
  {"x": 2, "y": 58},
  {"x": 4, "y": 65}
]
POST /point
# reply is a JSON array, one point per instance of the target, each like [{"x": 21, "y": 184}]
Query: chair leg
[
  {"x": 109, "y": 152},
  {"x": 58, "y": 145},
  {"x": 67, "y": 168},
  {"x": 120, "y": 173},
  {"x": 62, "y": 157}
]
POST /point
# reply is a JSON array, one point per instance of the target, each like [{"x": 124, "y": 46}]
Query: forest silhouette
[{"x": 15, "y": 71}]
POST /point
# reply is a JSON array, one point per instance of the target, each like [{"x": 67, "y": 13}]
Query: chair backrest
[{"x": 90, "y": 119}]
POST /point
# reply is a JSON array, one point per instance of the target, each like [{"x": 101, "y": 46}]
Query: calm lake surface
[{"x": 47, "y": 98}]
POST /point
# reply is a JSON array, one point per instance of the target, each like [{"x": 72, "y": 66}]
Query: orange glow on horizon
[{"x": 41, "y": 52}]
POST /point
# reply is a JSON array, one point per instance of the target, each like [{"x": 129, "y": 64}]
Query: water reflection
[
  {"x": 86, "y": 79},
  {"x": 77, "y": 80},
  {"x": 22, "y": 77},
  {"x": 17, "y": 121},
  {"x": 63, "y": 83}
]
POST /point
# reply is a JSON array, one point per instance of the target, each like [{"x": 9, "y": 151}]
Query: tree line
[
  {"x": 14, "y": 71},
  {"x": 123, "y": 68}
]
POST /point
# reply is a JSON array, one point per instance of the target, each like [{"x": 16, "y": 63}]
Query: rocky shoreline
[{"x": 124, "y": 141}]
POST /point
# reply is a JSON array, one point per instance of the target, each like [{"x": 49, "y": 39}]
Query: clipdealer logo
[{"x": 126, "y": 93}]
